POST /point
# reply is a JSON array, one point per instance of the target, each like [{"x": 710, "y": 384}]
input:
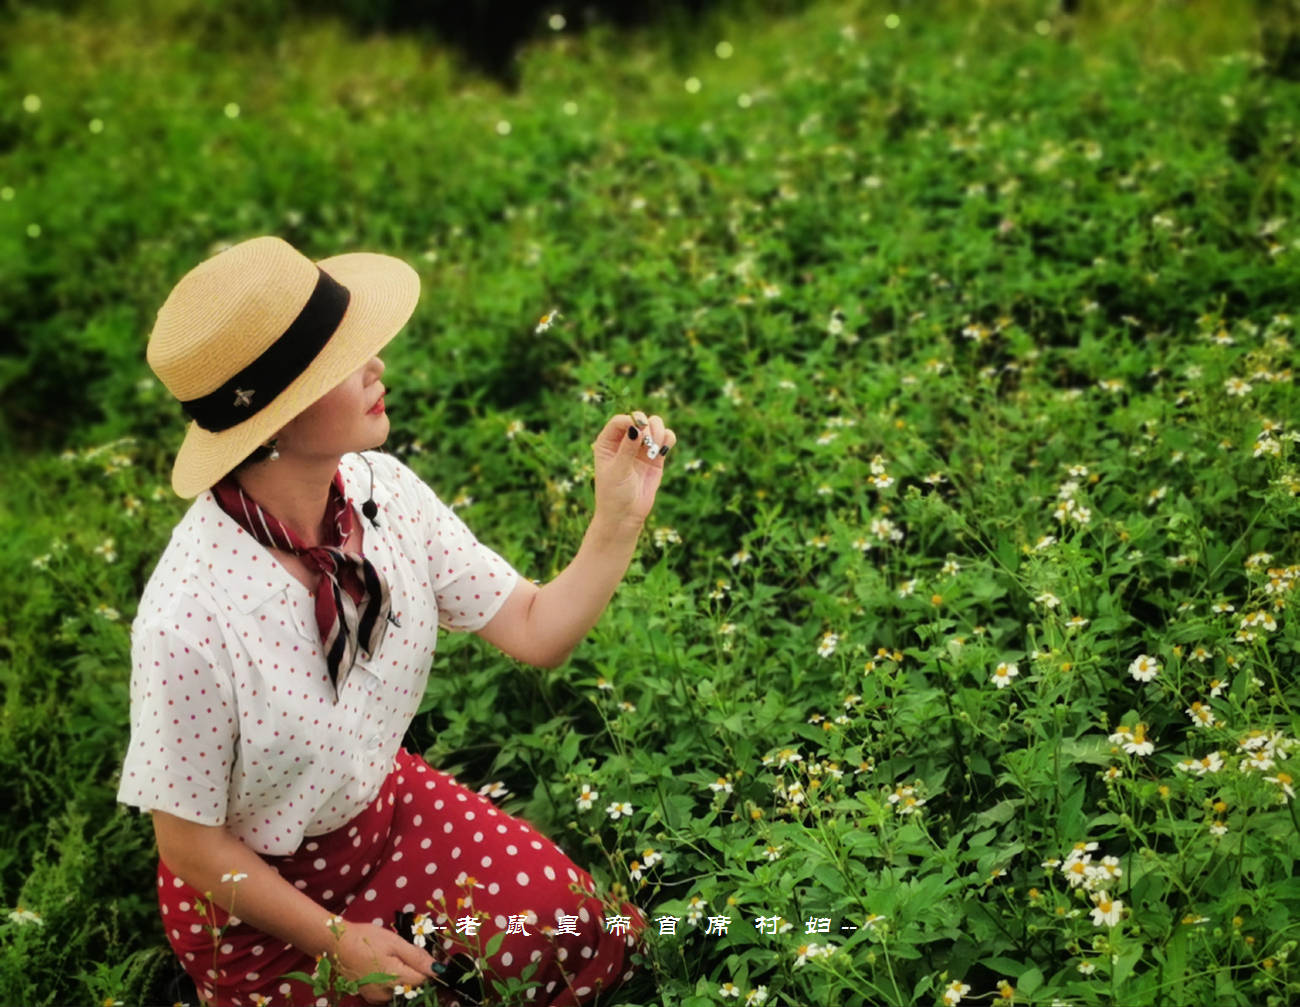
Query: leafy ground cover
[{"x": 957, "y": 662}]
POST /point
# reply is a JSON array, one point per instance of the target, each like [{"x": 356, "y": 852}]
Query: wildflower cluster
[
  {"x": 811, "y": 952},
  {"x": 905, "y": 800},
  {"x": 1080, "y": 871},
  {"x": 1068, "y": 507},
  {"x": 1133, "y": 740}
]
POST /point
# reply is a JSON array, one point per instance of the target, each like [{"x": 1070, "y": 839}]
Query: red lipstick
[{"x": 378, "y": 407}]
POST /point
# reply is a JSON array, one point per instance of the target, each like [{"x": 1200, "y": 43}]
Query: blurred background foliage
[
  {"x": 131, "y": 167},
  {"x": 486, "y": 34},
  {"x": 166, "y": 171}
]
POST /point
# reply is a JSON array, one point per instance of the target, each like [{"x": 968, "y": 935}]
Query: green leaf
[
  {"x": 1030, "y": 980},
  {"x": 980, "y": 839},
  {"x": 569, "y": 747},
  {"x": 494, "y": 944},
  {"x": 1093, "y": 748},
  {"x": 1007, "y": 966},
  {"x": 1071, "y": 815},
  {"x": 1003, "y": 811},
  {"x": 1124, "y": 964},
  {"x": 735, "y": 723},
  {"x": 1176, "y": 963}
]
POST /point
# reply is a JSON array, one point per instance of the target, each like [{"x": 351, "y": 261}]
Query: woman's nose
[{"x": 377, "y": 366}]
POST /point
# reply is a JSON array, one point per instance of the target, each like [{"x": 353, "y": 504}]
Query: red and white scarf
[{"x": 352, "y": 601}]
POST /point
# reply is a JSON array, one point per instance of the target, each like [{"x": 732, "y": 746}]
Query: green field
[{"x": 974, "y": 322}]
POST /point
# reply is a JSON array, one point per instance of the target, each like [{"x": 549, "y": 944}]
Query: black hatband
[{"x": 253, "y": 388}]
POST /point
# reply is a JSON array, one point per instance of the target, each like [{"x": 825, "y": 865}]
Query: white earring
[{"x": 275, "y": 454}]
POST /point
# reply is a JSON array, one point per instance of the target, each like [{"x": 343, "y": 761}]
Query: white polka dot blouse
[{"x": 233, "y": 719}]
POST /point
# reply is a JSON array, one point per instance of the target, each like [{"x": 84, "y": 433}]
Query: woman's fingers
[
  {"x": 613, "y": 439},
  {"x": 636, "y": 435},
  {"x": 409, "y": 970},
  {"x": 413, "y": 966},
  {"x": 373, "y": 994},
  {"x": 421, "y": 961},
  {"x": 657, "y": 437},
  {"x": 615, "y": 431},
  {"x": 417, "y": 960},
  {"x": 665, "y": 436}
]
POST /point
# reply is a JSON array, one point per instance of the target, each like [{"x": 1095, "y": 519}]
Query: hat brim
[{"x": 384, "y": 291}]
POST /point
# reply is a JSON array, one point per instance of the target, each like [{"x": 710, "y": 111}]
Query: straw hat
[{"x": 253, "y": 336}]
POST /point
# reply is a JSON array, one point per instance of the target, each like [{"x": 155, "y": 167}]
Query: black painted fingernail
[
  {"x": 631, "y": 433},
  {"x": 664, "y": 452}
]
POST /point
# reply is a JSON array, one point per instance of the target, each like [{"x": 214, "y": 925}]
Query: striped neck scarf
[{"x": 352, "y": 601}]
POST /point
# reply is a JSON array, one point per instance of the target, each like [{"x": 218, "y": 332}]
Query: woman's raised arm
[{"x": 542, "y": 625}]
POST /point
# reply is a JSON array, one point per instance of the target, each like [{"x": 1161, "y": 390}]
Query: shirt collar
[
  {"x": 220, "y": 536},
  {"x": 357, "y": 482}
]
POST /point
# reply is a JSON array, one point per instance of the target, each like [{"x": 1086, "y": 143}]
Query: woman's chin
[{"x": 380, "y": 435}]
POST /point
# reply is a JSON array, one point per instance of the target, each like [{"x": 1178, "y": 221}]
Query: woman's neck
[{"x": 295, "y": 490}]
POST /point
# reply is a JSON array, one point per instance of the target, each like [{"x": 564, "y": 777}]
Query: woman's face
[{"x": 350, "y": 417}]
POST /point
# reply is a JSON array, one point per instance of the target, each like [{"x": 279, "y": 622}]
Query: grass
[{"x": 976, "y": 335}]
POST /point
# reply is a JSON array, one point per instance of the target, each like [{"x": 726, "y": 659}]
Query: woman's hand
[
  {"x": 364, "y": 948},
  {"x": 627, "y": 476}
]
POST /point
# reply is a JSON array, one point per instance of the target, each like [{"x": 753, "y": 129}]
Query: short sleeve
[
  {"x": 470, "y": 581},
  {"x": 184, "y": 727}
]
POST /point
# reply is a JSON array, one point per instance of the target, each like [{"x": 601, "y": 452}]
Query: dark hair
[{"x": 260, "y": 454}]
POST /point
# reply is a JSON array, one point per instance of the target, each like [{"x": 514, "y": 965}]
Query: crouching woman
[{"x": 282, "y": 646}]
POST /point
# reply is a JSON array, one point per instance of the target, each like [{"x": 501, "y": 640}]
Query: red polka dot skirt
[{"x": 426, "y": 845}]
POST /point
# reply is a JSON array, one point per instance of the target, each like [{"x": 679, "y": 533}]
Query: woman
[{"x": 282, "y": 646}]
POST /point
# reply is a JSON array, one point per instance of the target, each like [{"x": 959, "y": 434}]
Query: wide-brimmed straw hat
[{"x": 254, "y": 335}]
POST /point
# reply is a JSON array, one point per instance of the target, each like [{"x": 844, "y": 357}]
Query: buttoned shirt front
[{"x": 233, "y": 714}]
